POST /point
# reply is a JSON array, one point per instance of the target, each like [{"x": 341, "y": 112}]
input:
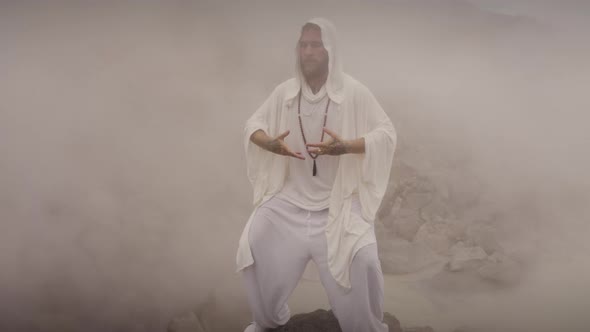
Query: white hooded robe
[{"x": 365, "y": 175}]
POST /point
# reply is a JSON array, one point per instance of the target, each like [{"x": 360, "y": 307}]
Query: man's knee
[
  {"x": 272, "y": 317},
  {"x": 367, "y": 259},
  {"x": 259, "y": 229}
]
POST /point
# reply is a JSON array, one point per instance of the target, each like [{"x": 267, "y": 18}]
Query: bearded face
[{"x": 312, "y": 54}]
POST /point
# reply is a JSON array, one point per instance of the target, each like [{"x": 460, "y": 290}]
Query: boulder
[
  {"x": 438, "y": 236},
  {"x": 407, "y": 226},
  {"x": 325, "y": 321},
  {"x": 317, "y": 321},
  {"x": 416, "y": 200},
  {"x": 436, "y": 209},
  {"x": 484, "y": 236},
  {"x": 463, "y": 257},
  {"x": 399, "y": 256},
  {"x": 502, "y": 269}
]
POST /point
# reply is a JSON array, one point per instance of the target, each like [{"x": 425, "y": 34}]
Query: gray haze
[{"x": 122, "y": 176}]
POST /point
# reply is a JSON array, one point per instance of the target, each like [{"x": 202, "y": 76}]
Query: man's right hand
[{"x": 275, "y": 145}]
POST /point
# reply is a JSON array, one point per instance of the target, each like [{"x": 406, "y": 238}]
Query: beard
[{"x": 313, "y": 68}]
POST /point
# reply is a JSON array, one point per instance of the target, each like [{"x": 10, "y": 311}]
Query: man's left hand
[{"x": 335, "y": 146}]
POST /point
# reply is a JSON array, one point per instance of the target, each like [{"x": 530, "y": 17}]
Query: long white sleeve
[{"x": 380, "y": 144}]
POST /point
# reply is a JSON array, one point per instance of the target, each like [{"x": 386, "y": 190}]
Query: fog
[{"x": 123, "y": 189}]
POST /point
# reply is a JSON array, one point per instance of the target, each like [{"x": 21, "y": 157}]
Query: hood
[{"x": 334, "y": 83}]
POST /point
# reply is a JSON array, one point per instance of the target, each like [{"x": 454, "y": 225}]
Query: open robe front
[{"x": 364, "y": 174}]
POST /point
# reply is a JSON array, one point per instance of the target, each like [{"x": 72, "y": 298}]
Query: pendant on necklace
[{"x": 315, "y": 169}]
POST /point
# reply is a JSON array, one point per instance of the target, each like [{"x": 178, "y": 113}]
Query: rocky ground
[{"x": 316, "y": 321}]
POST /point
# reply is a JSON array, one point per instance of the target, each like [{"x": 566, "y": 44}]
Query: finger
[
  {"x": 288, "y": 152},
  {"x": 331, "y": 133},
  {"x": 317, "y": 151},
  {"x": 283, "y": 135},
  {"x": 298, "y": 155}
]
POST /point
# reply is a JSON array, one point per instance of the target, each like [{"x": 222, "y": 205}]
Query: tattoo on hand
[
  {"x": 275, "y": 146},
  {"x": 336, "y": 148}
]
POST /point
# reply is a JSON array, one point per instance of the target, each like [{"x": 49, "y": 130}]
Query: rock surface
[
  {"x": 399, "y": 256},
  {"x": 325, "y": 321},
  {"x": 435, "y": 214},
  {"x": 464, "y": 257},
  {"x": 317, "y": 321}
]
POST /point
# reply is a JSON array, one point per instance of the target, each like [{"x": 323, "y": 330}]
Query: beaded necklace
[{"x": 312, "y": 155}]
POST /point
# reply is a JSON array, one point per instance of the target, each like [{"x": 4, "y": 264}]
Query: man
[{"x": 319, "y": 153}]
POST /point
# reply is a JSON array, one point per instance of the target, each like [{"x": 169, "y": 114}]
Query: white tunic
[{"x": 301, "y": 188}]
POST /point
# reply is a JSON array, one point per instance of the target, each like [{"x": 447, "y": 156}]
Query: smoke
[{"x": 122, "y": 178}]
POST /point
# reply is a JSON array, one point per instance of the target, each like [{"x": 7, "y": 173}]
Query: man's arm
[
  {"x": 260, "y": 138},
  {"x": 337, "y": 146},
  {"x": 275, "y": 145},
  {"x": 355, "y": 145}
]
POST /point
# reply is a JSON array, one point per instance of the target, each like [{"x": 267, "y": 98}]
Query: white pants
[{"x": 283, "y": 238}]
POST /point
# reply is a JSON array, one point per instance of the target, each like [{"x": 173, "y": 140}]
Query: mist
[{"x": 123, "y": 189}]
